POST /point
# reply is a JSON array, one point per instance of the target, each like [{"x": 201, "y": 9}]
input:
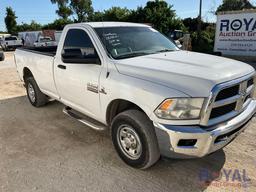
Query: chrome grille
[{"x": 228, "y": 100}]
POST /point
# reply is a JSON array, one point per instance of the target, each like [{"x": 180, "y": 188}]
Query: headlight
[{"x": 180, "y": 108}]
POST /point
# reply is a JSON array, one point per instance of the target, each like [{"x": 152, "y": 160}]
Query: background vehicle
[
  {"x": 154, "y": 98},
  {"x": 176, "y": 35},
  {"x": 29, "y": 37},
  {"x": 11, "y": 42},
  {"x": 1, "y": 54},
  {"x": 44, "y": 41}
]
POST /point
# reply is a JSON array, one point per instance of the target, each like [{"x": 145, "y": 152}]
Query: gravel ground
[
  {"x": 10, "y": 84},
  {"x": 44, "y": 150}
]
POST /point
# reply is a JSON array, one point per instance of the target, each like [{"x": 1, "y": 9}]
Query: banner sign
[{"x": 236, "y": 34}]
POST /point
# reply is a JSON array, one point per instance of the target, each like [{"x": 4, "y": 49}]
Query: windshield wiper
[
  {"x": 165, "y": 50},
  {"x": 129, "y": 55}
]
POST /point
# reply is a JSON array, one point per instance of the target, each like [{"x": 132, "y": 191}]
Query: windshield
[{"x": 127, "y": 42}]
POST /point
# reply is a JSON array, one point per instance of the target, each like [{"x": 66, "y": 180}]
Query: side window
[{"x": 78, "y": 48}]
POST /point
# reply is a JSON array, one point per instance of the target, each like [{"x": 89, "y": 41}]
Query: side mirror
[{"x": 76, "y": 56}]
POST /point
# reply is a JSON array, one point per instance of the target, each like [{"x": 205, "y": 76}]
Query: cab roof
[{"x": 111, "y": 24}]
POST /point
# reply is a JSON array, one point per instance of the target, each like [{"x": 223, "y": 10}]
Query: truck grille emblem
[{"x": 242, "y": 93}]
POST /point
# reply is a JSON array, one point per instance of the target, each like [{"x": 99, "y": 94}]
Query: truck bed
[
  {"x": 49, "y": 51},
  {"x": 40, "y": 61}
]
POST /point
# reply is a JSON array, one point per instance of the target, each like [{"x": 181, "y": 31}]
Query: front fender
[{"x": 145, "y": 94}]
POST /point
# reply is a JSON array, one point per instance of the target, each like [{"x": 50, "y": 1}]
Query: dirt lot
[
  {"x": 10, "y": 85},
  {"x": 44, "y": 150}
]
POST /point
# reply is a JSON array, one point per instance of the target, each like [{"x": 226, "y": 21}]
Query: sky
[{"x": 42, "y": 11}]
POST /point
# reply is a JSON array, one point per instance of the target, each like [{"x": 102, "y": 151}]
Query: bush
[
  {"x": 204, "y": 43},
  {"x": 58, "y": 24},
  {"x": 33, "y": 26}
]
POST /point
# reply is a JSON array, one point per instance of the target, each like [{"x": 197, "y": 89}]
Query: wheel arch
[
  {"x": 117, "y": 106},
  {"x": 27, "y": 73}
]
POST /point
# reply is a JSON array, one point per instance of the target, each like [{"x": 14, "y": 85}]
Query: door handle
[{"x": 62, "y": 66}]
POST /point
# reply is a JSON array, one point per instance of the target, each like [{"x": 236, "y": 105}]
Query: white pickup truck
[
  {"x": 154, "y": 98},
  {"x": 45, "y": 41},
  {"x": 11, "y": 42}
]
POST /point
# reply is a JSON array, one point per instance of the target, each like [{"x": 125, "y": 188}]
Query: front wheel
[
  {"x": 35, "y": 96},
  {"x": 134, "y": 139}
]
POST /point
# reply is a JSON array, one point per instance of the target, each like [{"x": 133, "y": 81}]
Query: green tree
[
  {"x": 10, "y": 21},
  {"x": 233, "y": 5},
  {"x": 116, "y": 14},
  {"x": 33, "y": 26},
  {"x": 83, "y": 9},
  {"x": 64, "y": 10},
  {"x": 159, "y": 14},
  {"x": 97, "y": 16},
  {"x": 205, "y": 42},
  {"x": 58, "y": 24},
  {"x": 138, "y": 15},
  {"x": 192, "y": 23}
]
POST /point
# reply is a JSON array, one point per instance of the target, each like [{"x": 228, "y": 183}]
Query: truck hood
[{"x": 194, "y": 74}]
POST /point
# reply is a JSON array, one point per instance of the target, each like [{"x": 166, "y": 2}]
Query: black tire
[
  {"x": 136, "y": 121},
  {"x": 40, "y": 99}
]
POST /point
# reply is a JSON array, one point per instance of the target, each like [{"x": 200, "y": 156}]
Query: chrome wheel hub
[
  {"x": 31, "y": 93},
  {"x": 129, "y": 142}
]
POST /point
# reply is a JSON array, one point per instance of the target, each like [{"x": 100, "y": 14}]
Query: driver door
[{"x": 77, "y": 73}]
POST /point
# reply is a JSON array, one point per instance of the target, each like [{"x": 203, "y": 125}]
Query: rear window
[
  {"x": 10, "y": 38},
  {"x": 77, "y": 38},
  {"x": 46, "y": 39}
]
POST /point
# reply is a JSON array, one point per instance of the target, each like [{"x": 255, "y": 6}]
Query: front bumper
[{"x": 202, "y": 141}]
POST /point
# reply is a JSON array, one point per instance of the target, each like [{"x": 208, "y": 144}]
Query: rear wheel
[
  {"x": 134, "y": 139},
  {"x": 35, "y": 96}
]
